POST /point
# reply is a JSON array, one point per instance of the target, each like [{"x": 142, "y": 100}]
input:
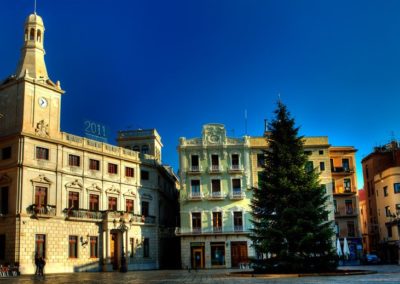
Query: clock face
[{"x": 42, "y": 102}]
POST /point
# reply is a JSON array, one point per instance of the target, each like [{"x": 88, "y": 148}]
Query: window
[
  {"x": 129, "y": 205},
  {"x": 145, "y": 208},
  {"x": 40, "y": 196},
  {"x": 308, "y": 153},
  {"x": 6, "y": 153},
  {"x": 347, "y": 185},
  {"x": 321, "y": 166},
  {"x": 145, "y": 149},
  {"x": 398, "y": 209},
  {"x": 351, "y": 229},
  {"x": 144, "y": 175},
  {"x": 217, "y": 222},
  {"x": 260, "y": 160},
  {"x": 196, "y": 222},
  {"x": 387, "y": 211},
  {"x": 112, "y": 168},
  {"x": 236, "y": 187},
  {"x": 235, "y": 161},
  {"x": 216, "y": 187},
  {"x": 129, "y": 172},
  {"x": 93, "y": 247},
  {"x": 132, "y": 246},
  {"x": 195, "y": 184},
  {"x": 2, "y": 247},
  {"x": 195, "y": 163},
  {"x": 385, "y": 191},
  {"x": 321, "y": 152},
  {"x": 217, "y": 253},
  {"x": 94, "y": 165},
  {"x": 146, "y": 247},
  {"x": 40, "y": 245},
  {"x": 238, "y": 221},
  {"x": 4, "y": 200},
  {"x": 346, "y": 165},
  {"x": 349, "y": 206},
  {"x": 74, "y": 160},
  {"x": 214, "y": 162},
  {"x": 389, "y": 231},
  {"x": 112, "y": 203},
  {"x": 93, "y": 202},
  {"x": 335, "y": 206},
  {"x": 73, "y": 200},
  {"x": 309, "y": 166},
  {"x": 73, "y": 247},
  {"x": 136, "y": 148},
  {"x": 396, "y": 187},
  {"x": 42, "y": 153},
  {"x": 32, "y": 34}
]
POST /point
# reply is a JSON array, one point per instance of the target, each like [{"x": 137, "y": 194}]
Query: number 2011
[{"x": 95, "y": 128}]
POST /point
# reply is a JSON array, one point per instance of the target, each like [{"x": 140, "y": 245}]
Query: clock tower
[{"x": 30, "y": 103}]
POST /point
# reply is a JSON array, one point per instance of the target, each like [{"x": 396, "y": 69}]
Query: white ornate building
[{"x": 82, "y": 204}]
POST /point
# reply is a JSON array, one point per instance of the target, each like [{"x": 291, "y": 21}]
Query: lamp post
[{"x": 123, "y": 228}]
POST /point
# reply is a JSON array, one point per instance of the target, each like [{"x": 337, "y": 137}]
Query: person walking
[
  {"x": 42, "y": 263},
  {"x": 37, "y": 263}
]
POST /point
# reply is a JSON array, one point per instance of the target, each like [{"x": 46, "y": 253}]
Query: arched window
[
  {"x": 136, "y": 148},
  {"x": 26, "y": 34},
  {"x": 39, "y": 36},
  {"x": 32, "y": 34},
  {"x": 145, "y": 149}
]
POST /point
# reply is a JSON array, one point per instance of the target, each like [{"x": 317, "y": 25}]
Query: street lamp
[{"x": 123, "y": 228}]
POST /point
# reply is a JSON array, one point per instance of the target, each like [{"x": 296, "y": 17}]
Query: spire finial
[{"x": 35, "y": 8}]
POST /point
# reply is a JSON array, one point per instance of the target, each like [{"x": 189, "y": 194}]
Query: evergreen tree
[{"x": 289, "y": 213}]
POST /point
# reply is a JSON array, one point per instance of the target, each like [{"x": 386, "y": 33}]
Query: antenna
[{"x": 245, "y": 121}]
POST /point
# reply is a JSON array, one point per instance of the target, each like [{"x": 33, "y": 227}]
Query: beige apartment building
[
  {"x": 345, "y": 198},
  {"x": 82, "y": 204}
]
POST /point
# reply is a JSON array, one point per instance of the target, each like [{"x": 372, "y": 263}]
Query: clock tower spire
[{"x": 31, "y": 63}]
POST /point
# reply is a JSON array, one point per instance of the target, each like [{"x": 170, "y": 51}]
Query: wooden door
[
  {"x": 114, "y": 250},
  {"x": 198, "y": 257},
  {"x": 238, "y": 253}
]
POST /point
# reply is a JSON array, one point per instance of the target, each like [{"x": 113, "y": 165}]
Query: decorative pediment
[
  {"x": 146, "y": 196},
  {"x": 236, "y": 208},
  {"x": 217, "y": 209},
  {"x": 41, "y": 179},
  {"x": 5, "y": 179},
  {"x": 74, "y": 184},
  {"x": 94, "y": 187},
  {"x": 195, "y": 209},
  {"x": 130, "y": 193},
  {"x": 113, "y": 189}
]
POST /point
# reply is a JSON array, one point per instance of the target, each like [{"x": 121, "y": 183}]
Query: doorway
[
  {"x": 114, "y": 252},
  {"x": 197, "y": 254},
  {"x": 239, "y": 253}
]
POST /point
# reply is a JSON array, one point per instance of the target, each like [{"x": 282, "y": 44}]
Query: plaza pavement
[{"x": 387, "y": 274}]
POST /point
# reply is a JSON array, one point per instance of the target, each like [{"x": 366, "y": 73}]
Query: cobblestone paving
[{"x": 387, "y": 274}]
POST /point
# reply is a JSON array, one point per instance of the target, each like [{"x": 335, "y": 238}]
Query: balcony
[
  {"x": 342, "y": 170},
  {"x": 343, "y": 190},
  {"x": 216, "y": 195},
  {"x": 42, "y": 211},
  {"x": 195, "y": 195},
  {"x": 236, "y": 168},
  {"x": 237, "y": 194},
  {"x": 215, "y": 169},
  {"x": 194, "y": 170},
  {"x": 212, "y": 231},
  {"x": 346, "y": 211},
  {"x": 83, "y": 214}
]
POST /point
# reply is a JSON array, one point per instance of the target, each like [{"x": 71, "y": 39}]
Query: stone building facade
[{"x": 82, "y": 204}]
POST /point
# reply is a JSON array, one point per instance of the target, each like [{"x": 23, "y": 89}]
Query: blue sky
[{"x": 176, "y": 65}]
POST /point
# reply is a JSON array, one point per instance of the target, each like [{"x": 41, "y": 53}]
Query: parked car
[{"x": 371, "y": 258}]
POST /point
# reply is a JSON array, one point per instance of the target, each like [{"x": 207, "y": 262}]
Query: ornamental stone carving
[
  {"x": 42, "y": 129},
  {"x": 113, "y": 189},
  {"x": 214, "y": 133}
]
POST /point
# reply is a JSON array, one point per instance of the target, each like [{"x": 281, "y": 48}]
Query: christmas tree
[{"x": 291, "y": 229}]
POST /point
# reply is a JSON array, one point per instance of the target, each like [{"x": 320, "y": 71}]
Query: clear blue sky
[{"x": 176, "y": 65}]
